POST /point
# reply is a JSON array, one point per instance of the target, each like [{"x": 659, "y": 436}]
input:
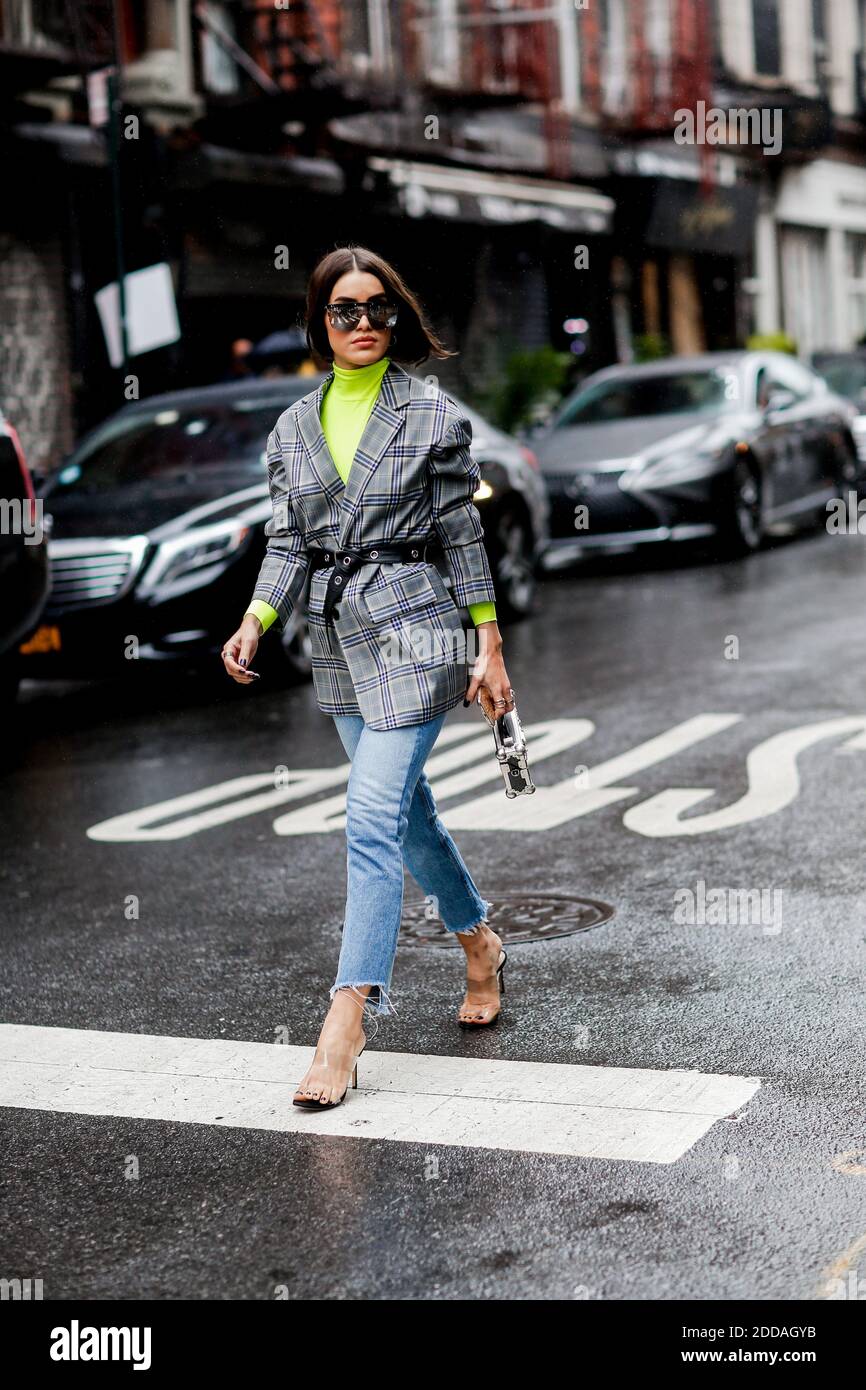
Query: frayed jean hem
[
  {"x": 472, "y": 930},
  {"x": 378, "y": 1001}
]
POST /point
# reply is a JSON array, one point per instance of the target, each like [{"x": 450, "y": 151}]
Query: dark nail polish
[
  {"x": 465, "y": 704},
  {"x": 243, "y": 661}
]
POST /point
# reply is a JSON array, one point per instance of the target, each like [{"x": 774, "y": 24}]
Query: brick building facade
[{"x": 479, "y": 145}]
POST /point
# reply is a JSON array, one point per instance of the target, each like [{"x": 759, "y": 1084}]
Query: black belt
[{"x": 346, "y": 561}]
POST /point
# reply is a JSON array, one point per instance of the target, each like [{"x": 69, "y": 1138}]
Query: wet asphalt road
[{"x": 238, "y": 935}]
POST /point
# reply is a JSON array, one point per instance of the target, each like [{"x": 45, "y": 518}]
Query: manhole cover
[{"x": 515, "y": 917}]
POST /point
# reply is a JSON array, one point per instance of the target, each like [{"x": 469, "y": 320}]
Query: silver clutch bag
[{"x": 510, "y": 745}]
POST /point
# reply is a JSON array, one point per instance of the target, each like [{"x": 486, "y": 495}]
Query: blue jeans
[{"x": 391, "y": 820}]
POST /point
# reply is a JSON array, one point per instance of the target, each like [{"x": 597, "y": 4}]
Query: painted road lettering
[{"x": 463, "y": 763}]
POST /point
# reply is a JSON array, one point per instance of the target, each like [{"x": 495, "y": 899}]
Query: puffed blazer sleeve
[
  {"x": 454, "y": 478},
  {"x": 286, "y": 564}
]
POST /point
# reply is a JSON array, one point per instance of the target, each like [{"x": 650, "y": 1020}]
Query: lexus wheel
[{"x": 743, "y": 519}]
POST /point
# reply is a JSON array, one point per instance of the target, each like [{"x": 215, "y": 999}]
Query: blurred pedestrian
[{"x": 239, "y": 366}]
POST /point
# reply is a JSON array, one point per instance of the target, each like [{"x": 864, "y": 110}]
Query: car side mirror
[{"x": 779, "y": 400}]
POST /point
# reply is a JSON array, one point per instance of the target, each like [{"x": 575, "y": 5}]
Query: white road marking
[
  {"x": 551, "y": 806},
  {"x": 774, "y": 782},
  {"x": 194, "y": 812},
  {"x": 529, "y": 1107},
  {"x": 468, "y": 764},
  {"x": 462, "y": 762}
]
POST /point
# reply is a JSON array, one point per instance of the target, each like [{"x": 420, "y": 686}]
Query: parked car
[
  {"x": 24, "y": 571},
  {"x": 158, "y": 529},
  {"x": 720, "y": 446},
  {"x": 845, "y": 373}
]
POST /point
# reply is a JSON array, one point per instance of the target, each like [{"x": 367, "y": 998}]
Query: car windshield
[
  {"x": 630, "y": 397},
  {"x": 175, "y": 444},
  {"x": 847, "y": 375}
]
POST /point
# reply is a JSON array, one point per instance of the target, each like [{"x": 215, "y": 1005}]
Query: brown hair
[{"x": 415, "y": 340}]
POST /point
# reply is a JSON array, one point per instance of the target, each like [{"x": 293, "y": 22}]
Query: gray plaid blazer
[{"x": 400, "y": 648}]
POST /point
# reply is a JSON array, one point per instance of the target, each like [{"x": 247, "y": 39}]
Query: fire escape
[
  {"x": 44, "y": 39},
  {"x": 655, "y": 84},
  {"x": 508, "y": 57},
  {"x": 285, "y": 49},
  {"x": 287, "y": 66}
]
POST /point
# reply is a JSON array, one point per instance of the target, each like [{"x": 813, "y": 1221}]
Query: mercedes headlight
[{"x": 192, "y": 559}]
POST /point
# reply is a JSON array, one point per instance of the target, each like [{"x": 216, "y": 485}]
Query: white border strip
[{"x": 637, "y": 1115}]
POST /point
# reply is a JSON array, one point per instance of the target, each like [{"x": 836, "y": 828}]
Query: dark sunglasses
[{"x": 349, "y": 313}]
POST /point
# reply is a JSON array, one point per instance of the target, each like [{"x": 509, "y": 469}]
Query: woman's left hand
[{"x": 489, "y": 681}]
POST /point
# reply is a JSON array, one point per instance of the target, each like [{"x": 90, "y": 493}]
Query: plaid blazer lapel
[
  {"x": 316, "y": 446},
  {"x": 384, "y": 421}
]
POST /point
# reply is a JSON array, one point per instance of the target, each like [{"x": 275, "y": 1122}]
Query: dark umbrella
[{"x": 279, "y": 349}]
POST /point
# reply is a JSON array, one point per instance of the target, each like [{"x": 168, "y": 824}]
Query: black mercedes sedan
[
  {"x": 157, "y": 531},
  {"x": 721, "y": 447}
]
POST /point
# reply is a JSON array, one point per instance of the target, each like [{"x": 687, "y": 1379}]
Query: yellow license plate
[{"x": 44, "y": 639}]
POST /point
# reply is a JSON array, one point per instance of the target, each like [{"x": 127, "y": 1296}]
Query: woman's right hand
[{"x": 240, "y": 649}]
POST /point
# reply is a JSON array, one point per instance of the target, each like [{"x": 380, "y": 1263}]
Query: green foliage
[
  {"x": 529, "y": 385},
  {"x": 649, "y": 347},
  {"x": 771, "y": 342}
]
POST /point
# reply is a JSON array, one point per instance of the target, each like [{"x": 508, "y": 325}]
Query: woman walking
[{"x": 371, "y": 481}]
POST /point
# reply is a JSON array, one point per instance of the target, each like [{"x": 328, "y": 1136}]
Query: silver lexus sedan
[{"x": 722, "y": 446}]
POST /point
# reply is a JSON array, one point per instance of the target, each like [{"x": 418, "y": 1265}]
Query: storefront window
[
  {"x": 659, "y": 43},
  {"x": 767, "y": 34},
  {"x": 218, "y": 68},
  {"x": 855, "y": 246},
  {"x": 614, "y": 49},
  {"x": 442, "y": 40},
  {"x": 820, "y": 51},
  {"x": 366, "y": 33},
  {"x": 806, "y": 288}
]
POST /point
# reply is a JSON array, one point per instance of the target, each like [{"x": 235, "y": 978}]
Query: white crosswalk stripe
[{"x": 640, "y": 1115}]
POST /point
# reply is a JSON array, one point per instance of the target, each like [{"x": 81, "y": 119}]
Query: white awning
[{"x": 475, "y": 195}]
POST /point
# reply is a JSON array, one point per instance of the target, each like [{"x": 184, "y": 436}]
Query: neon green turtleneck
[{"x": 346, "y": 408}]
